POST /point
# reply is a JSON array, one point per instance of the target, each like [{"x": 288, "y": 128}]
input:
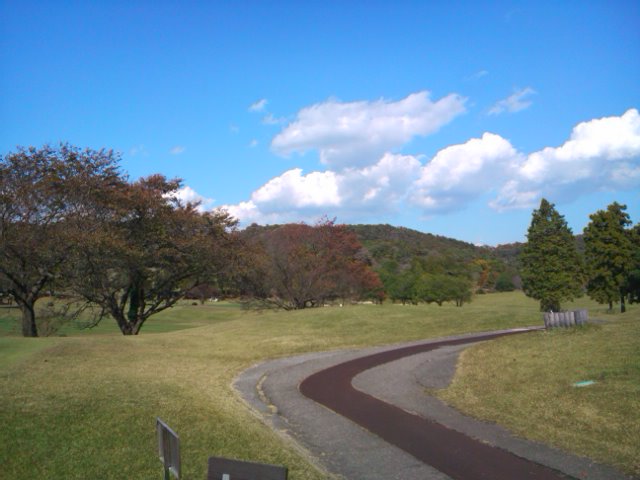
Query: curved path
[
  {"x": 345, "y": 450},
  {"x": 449, "y": 451}
]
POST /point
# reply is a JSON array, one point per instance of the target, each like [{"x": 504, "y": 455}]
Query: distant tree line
[
  {"x": 554, "y": 271},
  {"x": 433, "y": 279}
]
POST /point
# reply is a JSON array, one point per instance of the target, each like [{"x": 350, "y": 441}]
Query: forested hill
[
  {"x": 400, "y": 244},
  {"x": 402, "y": 256}
]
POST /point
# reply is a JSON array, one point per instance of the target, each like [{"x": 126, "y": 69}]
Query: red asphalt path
[{"x": 451, "y": 452}]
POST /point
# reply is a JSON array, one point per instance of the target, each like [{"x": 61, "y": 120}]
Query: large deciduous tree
[
  {"x": 298, "y": 266},
  {"x": 46, "y": 197},
  {"x": 551, "y": 267},
  {"x": 609, "y": 255},
  {"x": 151, "y": 252}
]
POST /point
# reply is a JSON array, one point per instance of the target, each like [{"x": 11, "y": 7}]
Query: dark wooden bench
[{"x": 226, "y": 469}]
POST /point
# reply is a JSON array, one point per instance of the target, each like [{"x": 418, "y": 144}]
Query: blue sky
[{"x": 453, "y": 118}]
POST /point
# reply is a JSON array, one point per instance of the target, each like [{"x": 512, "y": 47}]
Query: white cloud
[
  {"x": 378, "y": 188},
  {"x": 514, "y": 103},
  {"x": 461, "y": 173},
  {"x": 292, "y": 189},
  {"x": 600, "y": 154},
  {"x": 177, "y": 150},
  {"x": 381, "y": 187},
  {"x": 187, "y": 194},
  {"x": 354, "y": 134},
  {"x": 247, "y": 212},
  {"x": 258, "y": 106},
  {"x": 253, "y": 143}
]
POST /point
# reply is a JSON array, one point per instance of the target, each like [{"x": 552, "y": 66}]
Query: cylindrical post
[{"x": 572, "y": 319}]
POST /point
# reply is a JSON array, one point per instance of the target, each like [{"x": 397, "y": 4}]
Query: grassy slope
[
  {"x": 526, "y": 383},
  {"x": 84, "y": 406}
]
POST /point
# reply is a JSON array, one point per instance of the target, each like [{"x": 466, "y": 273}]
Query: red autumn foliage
[{"x": 298, "y": 266}]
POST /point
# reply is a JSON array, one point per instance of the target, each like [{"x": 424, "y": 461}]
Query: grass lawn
[
  {"x": 84, "y": 406},
  {"x": 526, "y": 383}
]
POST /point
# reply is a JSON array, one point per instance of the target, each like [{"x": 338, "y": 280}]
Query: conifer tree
[
  {"x": 632, "y": 285},
  {"x": 552, "y": 270},
  {"x": 609, "y": 255}
]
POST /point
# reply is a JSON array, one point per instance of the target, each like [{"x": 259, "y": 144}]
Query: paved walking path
[{"x": 347, "y": 450}]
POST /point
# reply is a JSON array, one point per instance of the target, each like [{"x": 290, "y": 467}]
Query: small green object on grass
[{"x": 584, "y": 383}]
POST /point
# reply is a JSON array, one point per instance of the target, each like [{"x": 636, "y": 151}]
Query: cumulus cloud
[
  {"x": 291, "y": 196},
  {"x": 461, "y": 173},
  {"x": 258, "y": 105},
  {"x": 381, "y": 187},
  {"x": 292, "y": 189},
  {"x": 247, "y": 212},
  {"x": 377, "y": 188},
  {"x": 187, "y": 194},
  {"x": 514, "y": 103},
  {"x": 355, "y": 134},
  {"x": 177, "y": 150},
  {"x": 600, "y": 154}
]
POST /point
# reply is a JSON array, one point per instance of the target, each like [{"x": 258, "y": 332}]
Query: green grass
[
  {"x": 526, "y": 383},
  {"x": 84, "y": 405},
  {"x": 13, "y": 350},
  {"x": 176, "y": 318}
]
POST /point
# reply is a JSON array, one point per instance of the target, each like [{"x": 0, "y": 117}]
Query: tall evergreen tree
[
  {"x": 552, "y": 269},
  {"x": 632, "y": 286},
  {"x": 609, "y": 254}
]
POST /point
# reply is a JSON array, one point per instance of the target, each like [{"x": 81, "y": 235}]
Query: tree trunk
[
  {"x": 623, "y": 307},
  {"x": 130, "y": 328},
  {"x": 124, "y": 325},
  {"x": 29, "y": 327},
  {"x": 135, "y": 299},
  {"x": 135, "y": 328}
]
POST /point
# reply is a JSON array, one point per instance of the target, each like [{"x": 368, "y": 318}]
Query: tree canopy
[
  {"x": 631, "y": 288},
  {"x": 72, "y": 223},
  {"x": 46, "y": 197},
  {"x": 297, "y": 266},
  {"x": 150, "y": 253},
  {"x": 551, "y": 267},
  {"x": 609, "y": 255}
]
